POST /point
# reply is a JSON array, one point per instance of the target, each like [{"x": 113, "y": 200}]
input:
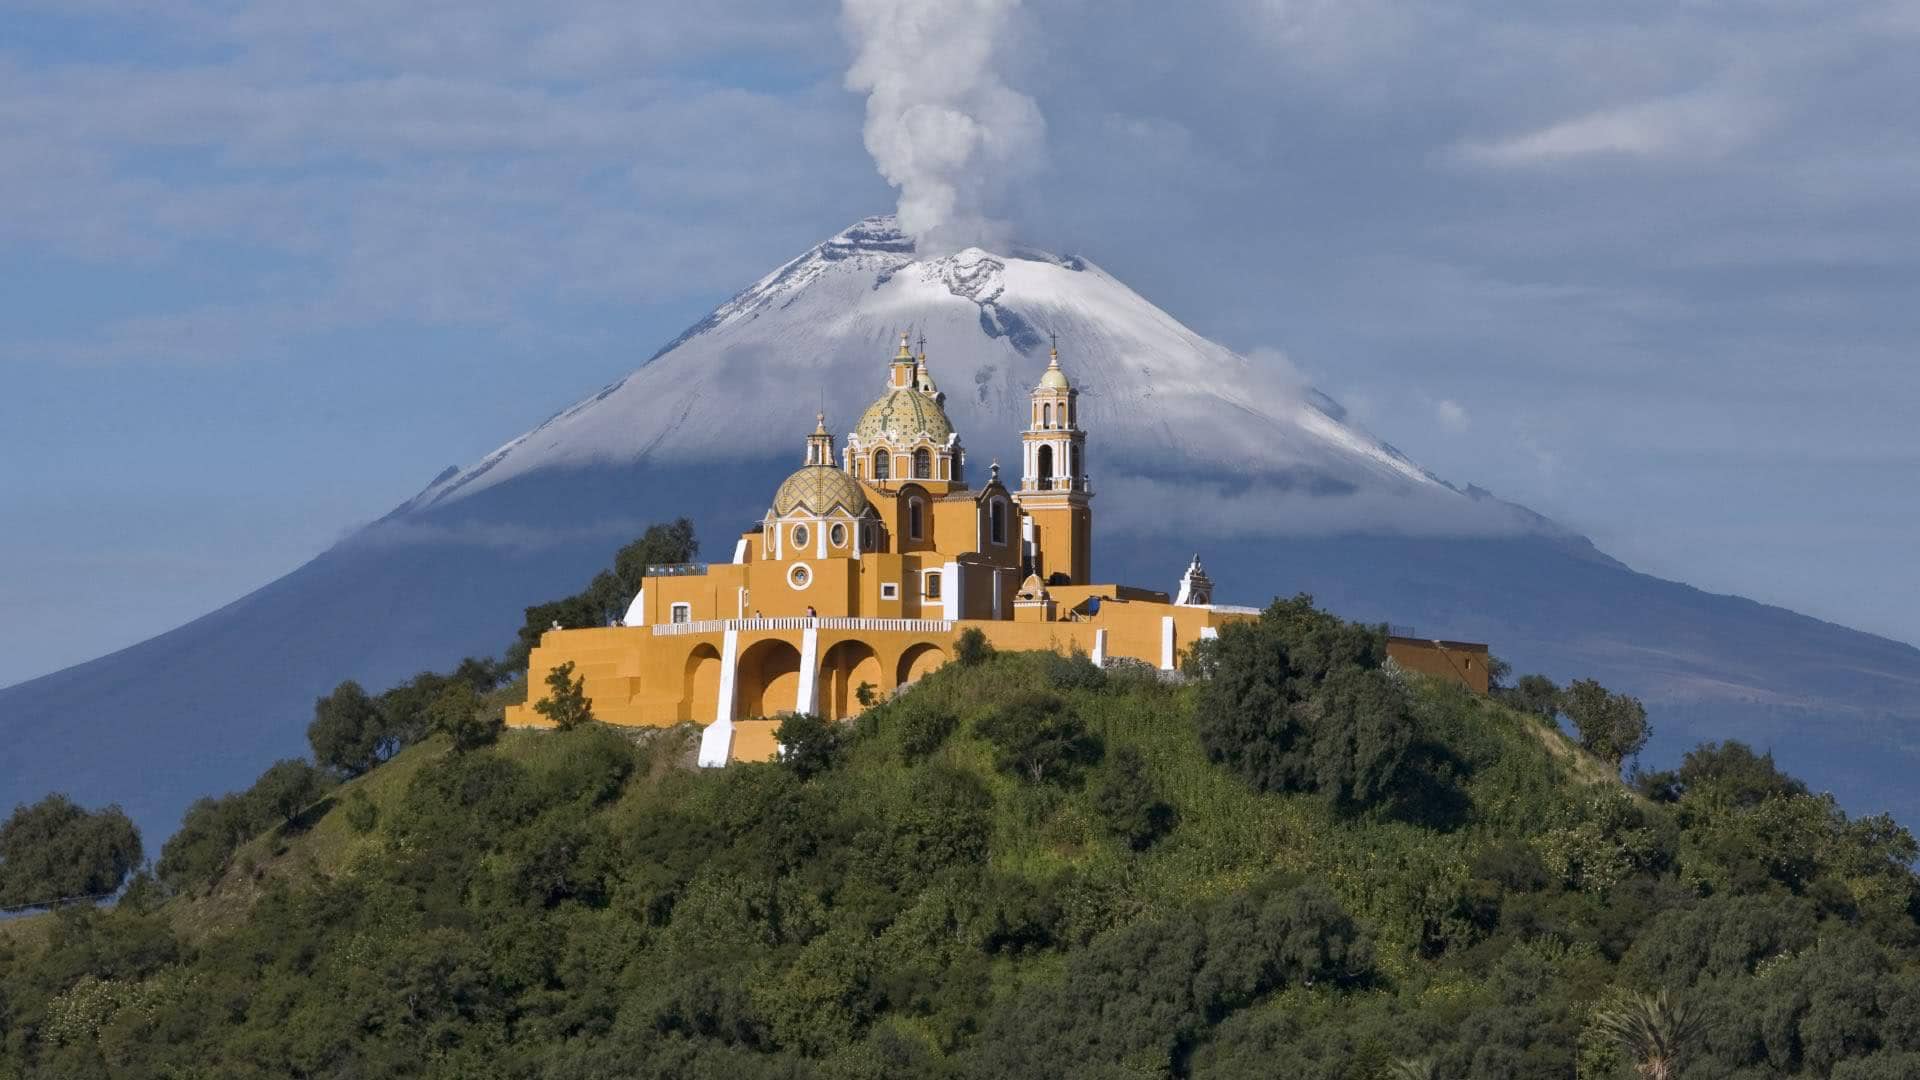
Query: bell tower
[{"x": 1053, "y": 482}]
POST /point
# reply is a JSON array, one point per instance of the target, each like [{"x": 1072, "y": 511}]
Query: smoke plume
[{"x": 942, "y": 125}]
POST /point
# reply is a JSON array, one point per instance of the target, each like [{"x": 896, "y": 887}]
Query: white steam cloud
[{"x": 942, "y": 125}]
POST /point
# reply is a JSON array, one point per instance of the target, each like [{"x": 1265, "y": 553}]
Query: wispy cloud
[{"x": 1689, "y": 127}]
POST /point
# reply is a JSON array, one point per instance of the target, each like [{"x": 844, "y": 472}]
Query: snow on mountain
[{"x": 1158, "y": 398}]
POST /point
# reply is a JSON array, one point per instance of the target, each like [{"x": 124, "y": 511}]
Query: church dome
[
  {"x": 901, "y": 416},
  {"x": 818, "y": 489}
]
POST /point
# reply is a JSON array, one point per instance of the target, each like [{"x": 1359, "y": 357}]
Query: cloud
[
  {"x": 1692, "y": 127},
  {"x": 1452, "y": 415}
]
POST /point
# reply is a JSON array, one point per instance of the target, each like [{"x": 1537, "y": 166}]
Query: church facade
[{"x": 871, "y": 560}]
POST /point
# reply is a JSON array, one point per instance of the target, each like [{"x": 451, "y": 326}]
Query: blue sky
[{"x": 266, "y": 269}]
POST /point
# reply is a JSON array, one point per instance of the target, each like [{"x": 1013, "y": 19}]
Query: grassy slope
[{"x": 1228, "y": 836}]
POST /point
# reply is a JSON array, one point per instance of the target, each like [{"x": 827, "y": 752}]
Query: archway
[
  {"x": 842, "y": 670},
  {"x": 919, "y": 661},
  {"x": 1043, "y": 465},
  {"x": 700, "y": 684},
  {"x": 768, "y": 679}
]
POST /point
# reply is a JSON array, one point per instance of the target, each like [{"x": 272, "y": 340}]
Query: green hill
[{"x": 1306, "y": 865}]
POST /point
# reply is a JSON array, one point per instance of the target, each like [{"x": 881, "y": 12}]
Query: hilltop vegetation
[{"x": 1300, "y": 862}]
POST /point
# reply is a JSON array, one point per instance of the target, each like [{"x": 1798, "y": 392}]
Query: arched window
[
  {"x": 922, "y": 464},
  {"x": 838, "y": 535},
  {"x": 1043, "y": 464},
  {"x": 914, "y": 524},
  {"x": 882, "y": 464},
  {"x": 1046, "y": 416},
  {"x": 997, "y": 521},
  {"x": 1073, "y": 466}
]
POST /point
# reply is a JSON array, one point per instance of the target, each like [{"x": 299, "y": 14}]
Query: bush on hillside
[
  {"x": 971, "y": 648},
  {"x": 809, "y": 743},
  {"x": 56, "y": 849},
  {"x": 1128, "y": 802},
  {"x": 1614, "y": 726},
  {"x": 1296, "y": 701},
  {"x": 1040, "y": 738},
  {"x": 566, "y": 703}
]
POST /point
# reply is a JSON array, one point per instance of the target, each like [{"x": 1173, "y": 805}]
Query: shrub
[
  {"x": 972, "y": 648},
  {"x": 809, "y": 744},
  {"x": 1129, "y": 803},
  {"x": 1039, "y": 737},
  {"x": 362, "y": 814},
  {"x": 566, "y": 703},
  {"x": 1075, "y": 671},
  {"x": 56, "y": 849},
  {"x": 349, "y": 734},
  {"x": 459, "y": 714},
  {"x": 1297, "y": 702},
  {"x": 1611, "y": 725},
  {"x": 924, "y": 726}
]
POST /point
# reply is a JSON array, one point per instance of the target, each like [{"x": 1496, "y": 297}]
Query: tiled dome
[
  {"x": 901, "y": 417},
  {"x": 819, "y": 489}
]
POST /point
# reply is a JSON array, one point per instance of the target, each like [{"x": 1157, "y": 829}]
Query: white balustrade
[{"x": 717, "y": 626}]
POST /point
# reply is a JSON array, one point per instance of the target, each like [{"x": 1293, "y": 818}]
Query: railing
[
  {"x": 1400, "y": 630},
  {"x": 717, "y": 626},
  {"x": 685, "y": 569}
]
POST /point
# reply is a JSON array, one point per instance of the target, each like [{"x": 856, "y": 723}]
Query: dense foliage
[
  {"x": 56, "y": 849},
  {"x": 1301, "y": 862}
]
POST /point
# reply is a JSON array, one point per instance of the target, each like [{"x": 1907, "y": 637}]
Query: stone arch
[
  {"x": 700, "y": 684},
  {"x": 918, "y": 661},
  {"x": 1044, "y": 466},
  {"x": 845, "y": 666},
  {"x": 768, "y": 679}
]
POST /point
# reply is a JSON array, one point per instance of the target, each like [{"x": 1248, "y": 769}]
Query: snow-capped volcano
[
  {"x": 1191, "y": 448},
  {"x": 1158, "y": 399}
]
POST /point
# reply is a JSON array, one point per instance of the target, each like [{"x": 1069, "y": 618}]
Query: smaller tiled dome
[{"x": 819, "y": 489}]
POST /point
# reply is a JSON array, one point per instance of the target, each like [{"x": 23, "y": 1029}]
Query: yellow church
[{"x": 870, "y": 561}]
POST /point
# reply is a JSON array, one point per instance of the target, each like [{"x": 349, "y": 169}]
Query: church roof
[
  {"x": 819, "y": 489},
  {"x": 901, "y": 416}
]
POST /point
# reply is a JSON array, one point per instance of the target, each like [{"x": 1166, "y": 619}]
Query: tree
[
  {"x": 459, "y": 714},
  {"x": 1611, "y": 725},
  {"x": 809, "y": 744},
  {"x": 607, "y": 597},
  {"x": 1128, "y": 802},
  {"x": 1534, "y": 694},
  {"x": 566, "y": 703},
  {"x": 56, "y": 849},
  {"x": 1297, "y": 702},
  {"x": 1655, "y": 1033},
  {"x": 1040, "y": 737},
  {"x": 972, "y": 648},
  {"x": 289, "y": 786},
  {"x": 349, "y": 733}
]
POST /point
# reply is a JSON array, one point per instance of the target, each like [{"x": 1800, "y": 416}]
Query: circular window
[
  {"x": 800, "y": 536},
  {"x": 838, "y": 534},
  {"x": 799, "y": 577}
]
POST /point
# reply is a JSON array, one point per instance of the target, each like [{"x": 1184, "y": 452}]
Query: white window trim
[
  {"x": 800, "y": 541},
  {"x": 680, "y": 613},
  {"x": 841, "y": 528},
  {"x": 796, "y": 569},
  {"x": 889, "y": 590},
  {"x": 932, "y": 575}
]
